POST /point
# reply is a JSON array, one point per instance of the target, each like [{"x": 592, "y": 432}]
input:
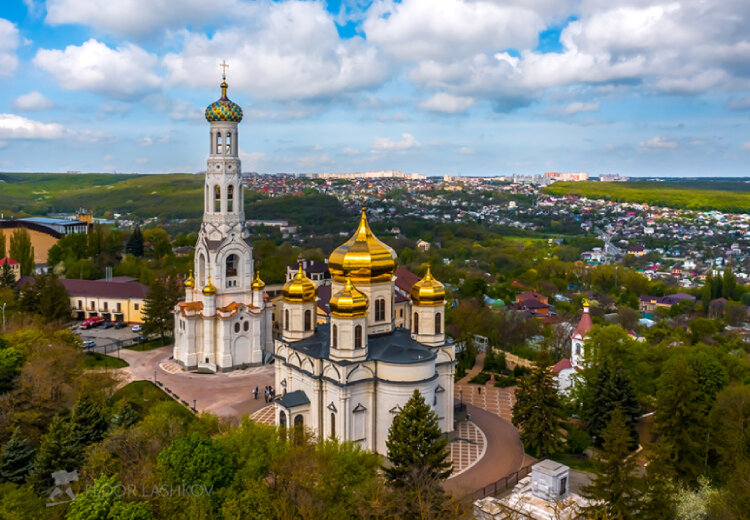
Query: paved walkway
[
  {"x": 467, "y": 448},
  {"x": 225, "y": 394},
  {"x": 265, "y": 415}
]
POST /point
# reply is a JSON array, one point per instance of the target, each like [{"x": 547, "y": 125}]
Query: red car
[{"x": 93, "y": 321}]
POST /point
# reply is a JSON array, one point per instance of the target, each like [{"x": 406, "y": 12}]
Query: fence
[{"x": 501, "y": 485}]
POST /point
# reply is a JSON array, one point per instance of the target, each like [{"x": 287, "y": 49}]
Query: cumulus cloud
[
  {"x": 13, "y": 126},
  {"x": 659, "y": 143},
  {"x": 137, "y": 18},
  {"x": 447, "y": 103},
  {"x": 9, "y": 41},
  {"x": 423, "y": 29},
  {"x": 385, "y": 144},
  {"x": 32, "y": 101},
  {"x": 124, "y": 72},
  {"x": 291, "y": 51}
]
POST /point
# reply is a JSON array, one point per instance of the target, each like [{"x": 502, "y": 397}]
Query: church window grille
[
  {"x": 335, "y": 336},
  {"x": 230, "y": 198},
  {"x": 358, "y": 336},
  {"x": 232, "y": 262},
  {"x": 379, "y": 309},
  {"x": 217, "y": 199},
  {"x": 308, "y": 320},
  {"x": 286, "y": 319},
  {"x": 236, "y": 327},
  {"x": 416, "y": 323},
  {"x": 438, "y": 323},
  {"x": 246, "y": 326}
]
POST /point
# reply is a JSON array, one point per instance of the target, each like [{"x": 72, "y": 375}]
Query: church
[
  {"x": 224, "y": 322},
  {"x": 565, "y": 369},
  {"x": 348, "y": 378}
]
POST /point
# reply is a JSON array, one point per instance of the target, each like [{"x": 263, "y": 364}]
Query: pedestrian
[
  {"x": 479, "y": 390},
  {"x": 255, "y": 393},
  {"x": 266, "y": 394}
]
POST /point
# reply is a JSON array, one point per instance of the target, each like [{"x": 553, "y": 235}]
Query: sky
[{"x": 459, "y": 87}]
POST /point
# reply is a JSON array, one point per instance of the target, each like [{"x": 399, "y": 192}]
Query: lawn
[
  {"x": 579, "y": 462},
  {"x": 97, "y": 360},
  {"x": 144, "y": 395},
  {"x": 152, "y": 345}
]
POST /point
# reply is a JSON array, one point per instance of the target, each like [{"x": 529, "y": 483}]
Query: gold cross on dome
[{"x": 224, "y": 66}]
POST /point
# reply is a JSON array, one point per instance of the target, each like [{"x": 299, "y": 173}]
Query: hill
[{"x": 726, "y": 196}]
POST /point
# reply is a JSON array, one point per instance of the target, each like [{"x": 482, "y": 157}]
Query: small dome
[
  {"x": 209, "y": 289},
  {"x": 428, "y": 291},
  {"x": 363, "y": 257},
  {"x": 190, "y": 282},
  {"x": 258, "y": 284},
  {"x": 224, "y": 109},
  {"x": 348, "y": 302},
  {"x": 299, "y": 289}
]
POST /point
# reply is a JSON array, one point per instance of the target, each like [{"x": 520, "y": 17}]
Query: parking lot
[{"x": 104, "y": 336}]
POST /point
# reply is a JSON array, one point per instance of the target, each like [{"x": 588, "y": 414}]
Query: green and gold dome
[
  {"x": 363, "y": 257},
  {"x": 428, "y": 291},
  {"x": 348, "y": 302},
  {"x": 224, "y": 109},
  {"x": 299, "y": 289}
]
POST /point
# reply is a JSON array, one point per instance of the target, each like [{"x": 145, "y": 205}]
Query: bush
[
  {"x": 495, "y": 362},
  {"x": 505, "y": 381},
  {"x": 577, "y": 440},
  {"x": 481, "y": 378},
  {"x": 525, "y": 351},
  {"x": 519, "y": 371}
]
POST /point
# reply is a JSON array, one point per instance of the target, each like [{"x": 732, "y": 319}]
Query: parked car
[
  {"x": 108, "y": 325},
  {"x": 136, "y": 328},
  {"x": 140, "y": 339},
  {"x": 88, "y": 343},
  {"x": 120, "y": 324}
]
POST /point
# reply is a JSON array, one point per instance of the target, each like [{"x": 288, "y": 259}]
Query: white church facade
[
  {"x": 348, "y": 378},
  {"x": 224, "y": 322},
  {"x": 566, "y": 368}
]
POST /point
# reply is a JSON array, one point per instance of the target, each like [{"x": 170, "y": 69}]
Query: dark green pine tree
[
  {"x": 58, "y": 451},
  {"x": 88, "y": 421},
  {"x": 615, "y": 483},
  {"x": 7, "y": 278},
  {"x": 538, "y": 410},
  {"x": 135, "y": 243},
  {"x": 16, "y": 459},
  {"x": 681, "y": 421},
  {"x": 416, "y": 445},
  {"x": 612, "y": 389}
]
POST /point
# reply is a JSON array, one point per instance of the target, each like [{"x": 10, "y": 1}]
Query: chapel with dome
[
  {"x": 224, "y": 322},
  {"x": 349, "y": 377}
]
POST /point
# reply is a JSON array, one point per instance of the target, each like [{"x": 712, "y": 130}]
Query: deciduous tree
[{"x": 22, "y": 251}]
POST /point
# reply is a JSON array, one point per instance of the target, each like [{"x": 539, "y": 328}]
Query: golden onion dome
[
  {"x": 258, "y": 284},
  {"x": 349, "y": 302},
  {"x": 190, "y": 282},
  {"x": 363, "y": 257},
  {"x": 428, "y": 291},
  {"x": 299, "y": 289},
  {"x": 209, "y": 289}
]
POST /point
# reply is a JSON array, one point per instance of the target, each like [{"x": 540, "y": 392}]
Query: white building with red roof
[
  {"x": 565, "y": 368},
  {"x": 15, "y": 267}
]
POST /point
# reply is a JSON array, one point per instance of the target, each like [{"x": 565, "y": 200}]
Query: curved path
[{"x": 504, "y": 454}]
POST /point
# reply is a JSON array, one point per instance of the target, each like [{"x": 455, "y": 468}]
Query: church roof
[
  {"x": 584, "y": 326},
  {"x": 561, "y": 365},
  {"x": 224, "y": 109},
  {"x": 395, "y": 347},
  {"x": 293, "y": 399}
]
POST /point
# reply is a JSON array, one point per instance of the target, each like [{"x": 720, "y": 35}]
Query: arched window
[
  {"x": 232, "y": 262},
  {"x": 333, "y": 425},
  {"x": 335, "y": 336},
  {"x": 236, "y": 327},
  {"x": 230, "y": 198},
  {"x": 282, "y": 419},
  {"x": 217, "y": 199},
  {"x": 299, "y": 424},
  {"x": 379, "y": 309},
  {"x": 358, "y": 336},
  {"x": 246, "y": 326},
  {"x": 308, "y": 320},
  {"x": 438, "y": 323},
  {"x": 286, "y": 319},
  {"x": 415, "y": 325},
  {"x": 201, "y": 270},
  {"x": 218, "y": 142},
  {"x": 228, "y": 143}
]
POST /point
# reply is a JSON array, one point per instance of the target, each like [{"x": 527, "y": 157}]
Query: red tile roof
[
  {"x": 9, "y": 260},
  {"x": 584, "y": 326},
  {"x": 405, "y": 279},
  {"x": 97, "y": 288},
  {"x": 561, "y": 365}
]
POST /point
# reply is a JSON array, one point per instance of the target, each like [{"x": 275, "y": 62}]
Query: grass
[
  {"x": 579, "y": 462},
  {"x": 151, "y": 345},
  {"x": 693, "y": 196},
  {"x": 98, "y": 360},
  {"x": 144, "y": 395}
]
